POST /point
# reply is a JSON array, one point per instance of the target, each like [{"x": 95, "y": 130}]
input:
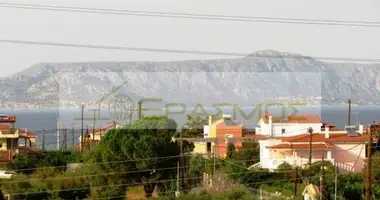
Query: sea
[{"x": 47, "y": 121}]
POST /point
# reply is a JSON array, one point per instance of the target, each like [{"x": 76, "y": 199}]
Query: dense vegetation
[{"x": 145, "y": 154}]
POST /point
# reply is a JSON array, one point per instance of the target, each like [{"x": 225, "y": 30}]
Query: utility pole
[
  {"x": 178, "y": 170},
  {"x": 182, "y": 160},
  {"x": 58, "y": 132},
  {"x": 214, "y": 165},
  {"x": 81, "y": 133},
  {"x": 73, "y": 135},
  {"x": 26, "y": 152},
  {"x": 93, "y": 130},
  {"x": 65, "y": 139},
  {"x": 87, "y": 140},
  {"x": 295, "y": 182},
  {"x": 336, "y": 183},
  {"x": 82, "y": 128},
  {"x": 43, "y": 139},
  {"x": 310, "y": 130},
  {"x": 368, "y": 187},
  {"x": 322, "y": 189},
  {"x": 140, "y": 109}
]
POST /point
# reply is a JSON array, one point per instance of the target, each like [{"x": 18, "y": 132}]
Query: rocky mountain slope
[{"x": 243, "y": 80}]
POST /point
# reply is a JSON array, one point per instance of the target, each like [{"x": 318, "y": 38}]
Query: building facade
[
  {"x": 222, "y": 131},
  {"x": 345, "y": 150},
  {"x": 93, "y": 137},
  {"x": 15, "y": 141},
  {"x": 293, "y": 125}
]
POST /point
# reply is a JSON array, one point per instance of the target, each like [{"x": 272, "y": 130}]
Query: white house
[
  {"x": 345, "y": 150},
  {"x": 293, "y": 125}
]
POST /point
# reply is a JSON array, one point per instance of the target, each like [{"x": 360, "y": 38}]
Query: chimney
[
  {"x": 327, "y": 130},
  {"x": 270, "y": 125},
  {"x": 209, "y": 120},
  {"x": 360, "y": 129},
  {"x": 349, "y": 112},
  {"x": 226, "y": 116},
  {"x": 270, "y": 119}
]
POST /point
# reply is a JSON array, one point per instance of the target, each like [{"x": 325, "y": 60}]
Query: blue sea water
[{"x": 45, "y": 120}]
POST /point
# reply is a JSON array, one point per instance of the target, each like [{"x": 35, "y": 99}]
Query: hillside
[{"x": 241, "y": 80}]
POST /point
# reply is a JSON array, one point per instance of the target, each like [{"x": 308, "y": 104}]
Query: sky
[{"x": 185, "y": 34}]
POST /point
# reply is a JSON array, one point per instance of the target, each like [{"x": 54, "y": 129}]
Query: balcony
[{"x": 9, "y": 133}]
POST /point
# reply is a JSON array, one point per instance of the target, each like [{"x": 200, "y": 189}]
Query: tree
[
  {"x": 248, "y": 154},
  {"x": 142, "y": 153},
  {"x": 193, "y": 127},
  {"x": 231, "y": 150}
]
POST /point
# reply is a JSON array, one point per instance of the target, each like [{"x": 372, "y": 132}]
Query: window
[
  {"x": 208, "y": 147},
  {"x": 228, "y": 136},
  {"x": 283, "y": 131}
]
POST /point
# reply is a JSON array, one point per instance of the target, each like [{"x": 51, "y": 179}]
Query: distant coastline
[{"x": 47, "y": 109}]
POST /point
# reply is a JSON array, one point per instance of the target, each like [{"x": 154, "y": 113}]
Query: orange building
[{"x": 223, "y": 131}]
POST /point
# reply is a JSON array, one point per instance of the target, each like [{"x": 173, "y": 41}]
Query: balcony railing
[{"x": 9, "y": 131}]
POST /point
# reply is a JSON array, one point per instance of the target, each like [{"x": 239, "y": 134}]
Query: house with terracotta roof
[
  {"x": 217, "y": 134},
  {"x": 272, "y": 126},
  {"x": 344, "y": 149},
  {"x": 15, "y": 141},
  {"x": 92, "y": 136}
]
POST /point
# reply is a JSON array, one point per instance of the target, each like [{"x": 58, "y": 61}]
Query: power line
[
  {"x": 190, "y": 15},
  {"x": 158, "y": 181},
  {"x": 199, "y": 52}
]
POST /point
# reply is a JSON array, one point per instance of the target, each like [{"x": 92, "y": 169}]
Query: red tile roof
[
  {"x": 293, "y": 119},
  {"x": 7, "y": 119},
  {"x": 4, "y": 127},
  {"x": 103, "y": 128},
  {"x": 333, "y": 137},
  {"x": 300, "y": 146},
  {"x": 226, "y": 122},
  {"x": 326, "y": 124},
  {"x": 31, "y": 134}
]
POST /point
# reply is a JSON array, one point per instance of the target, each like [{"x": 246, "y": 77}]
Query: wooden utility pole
[
  {"x": 182, "y": 160},
  {"x": 368, "y": 187},
  {"x": 73, "y": 135},
  {"x": 82, "y": 128},
  {"x": 295, "y": 182},
  {"x": 140, "y": 109},
  {"x": 26, "y": 152},
  {"x": 81, "y": 133},
  {"x": 178, "y": 189},
  {"x": 310, "y": 151},
  {"x": 58, "y": 133},
  {"x": 322, "y": 187},
  {"x": 214, "y": 165},
  {"x": 65, "y": 139},
  {"x": 87, "y": 140},
  {"x": 94, "y": 124},
  {"x": 336, "y": 183},
  {"x": 43, "y": 139}
]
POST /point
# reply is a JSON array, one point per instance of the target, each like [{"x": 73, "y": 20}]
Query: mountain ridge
[{"x": 38, "y": 84}]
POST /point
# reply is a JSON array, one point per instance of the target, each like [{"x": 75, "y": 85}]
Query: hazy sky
[{"x": 188, "y": 34}]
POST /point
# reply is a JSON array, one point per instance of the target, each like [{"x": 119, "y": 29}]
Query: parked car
[{"x": 6, "y": 174}]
